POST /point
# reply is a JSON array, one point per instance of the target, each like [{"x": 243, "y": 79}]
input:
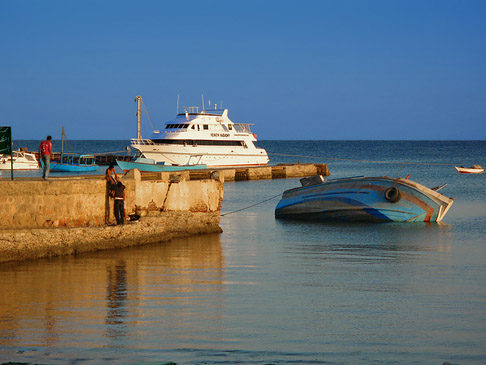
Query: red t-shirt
[{"x": 45, "y": 148}]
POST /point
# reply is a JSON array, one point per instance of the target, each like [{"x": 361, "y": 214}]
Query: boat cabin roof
[{"x": 205, "y": 125}]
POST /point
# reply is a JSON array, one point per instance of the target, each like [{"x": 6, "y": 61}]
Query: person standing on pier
[
  {"x": 119, "y": 202},
  {"x": 45, "y": 151},
  {"x": 110, "y": 171}
]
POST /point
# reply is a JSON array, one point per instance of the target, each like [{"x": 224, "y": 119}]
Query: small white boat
[
  {"x": 21, "y": 161},
  {"x": 474, "y": 169}
]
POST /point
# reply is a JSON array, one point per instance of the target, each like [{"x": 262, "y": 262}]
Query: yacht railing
[{"x": 195, "y": 110}]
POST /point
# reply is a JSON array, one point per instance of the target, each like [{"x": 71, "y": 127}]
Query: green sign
[{"x": 6, "y": 140}]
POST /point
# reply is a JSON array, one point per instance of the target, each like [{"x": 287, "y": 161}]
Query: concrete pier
[
  {"x": 281, "y": 171},
  {"x": 72, "y": 215},
  {"x": 68, "y": 215}
]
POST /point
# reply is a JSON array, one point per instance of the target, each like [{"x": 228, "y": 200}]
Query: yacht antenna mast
[
  {"x": 138, "y": 99},
  {"x": 62, "y": 141},
  {"x": 202, "y": 97}
]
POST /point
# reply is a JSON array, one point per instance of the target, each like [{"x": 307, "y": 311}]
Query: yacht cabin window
[
  {"x": 242, "y": 128},
  {"x": 176, "y": 126},
  {"x": 200, "y": 142}
]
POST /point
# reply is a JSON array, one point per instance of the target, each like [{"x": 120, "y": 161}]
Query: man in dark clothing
[{"x": 119, "y": 203}]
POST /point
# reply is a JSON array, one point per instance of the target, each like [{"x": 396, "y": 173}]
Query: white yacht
[
  {"x": 208, "y": 137},
  {"x": 21, "y": 161}
]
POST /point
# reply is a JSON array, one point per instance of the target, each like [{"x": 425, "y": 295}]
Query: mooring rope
[
  {"x": 401, "y": 163},
  {"x": 251, "y": 206},
  {"x": 108, "y": 153}
]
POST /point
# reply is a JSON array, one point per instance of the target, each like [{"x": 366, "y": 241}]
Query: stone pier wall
[
  {"x": 281, "y": 171},
  {"x": 84, "y": 202},
  {"x": 71, "y": 215}
]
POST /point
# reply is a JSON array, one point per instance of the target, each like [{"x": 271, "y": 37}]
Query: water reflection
[
  {"x": 116, "y": 298},
  {"x": 379, "y": 238},
  {"x": 50, "y": 334},
  {"x": 100, "y": 299}
]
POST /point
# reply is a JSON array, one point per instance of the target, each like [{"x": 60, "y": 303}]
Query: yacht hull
[
  {"x": 127, "y": 166},
  {"x": 211, "y": 157}
]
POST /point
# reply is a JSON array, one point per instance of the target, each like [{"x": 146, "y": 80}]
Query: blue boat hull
[
  {"x": 63, "y": 167},
  {"x": 147, "y": 167},
  {"x": 368, "y": 199}
]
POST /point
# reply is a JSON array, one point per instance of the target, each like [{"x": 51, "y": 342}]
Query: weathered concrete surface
[
  {"x": 36, "y": 204},
  {"x": 83, "y": 201},
  {"x": 25, "y": 244},
  {"x": 281, "y": 171},
  {"x": 68, "y": 215}
]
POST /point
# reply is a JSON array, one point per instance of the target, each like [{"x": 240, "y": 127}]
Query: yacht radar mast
[{"x": 138, "y": 99}]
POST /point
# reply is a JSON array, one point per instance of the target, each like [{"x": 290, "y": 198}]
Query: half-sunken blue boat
[
  {"x": 149, "y": 165},
  {"x": 367, "y": 199}
]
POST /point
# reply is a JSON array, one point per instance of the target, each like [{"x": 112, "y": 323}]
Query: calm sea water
[{"x": 271, "y": 291}]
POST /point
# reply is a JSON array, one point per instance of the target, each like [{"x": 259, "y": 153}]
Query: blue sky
[{"x": 296, "y": 69}]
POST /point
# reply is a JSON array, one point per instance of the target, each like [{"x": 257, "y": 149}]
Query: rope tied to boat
[{"x": 251, "y": 206}]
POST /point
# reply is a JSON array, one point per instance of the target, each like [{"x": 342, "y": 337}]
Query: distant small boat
[
  {"x": 149, "y": 165},
  {"x": 474, "y": 169},
  {"x": 72, "y": 162},
  {"x": 372, "y": 199},
  {"x": 22, "y": 160}
]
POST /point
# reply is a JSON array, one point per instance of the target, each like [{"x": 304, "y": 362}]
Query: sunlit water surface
[{"x": 272, "y": 291}]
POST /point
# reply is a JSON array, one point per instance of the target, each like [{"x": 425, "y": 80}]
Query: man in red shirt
[{"x": 45, "y": 150}]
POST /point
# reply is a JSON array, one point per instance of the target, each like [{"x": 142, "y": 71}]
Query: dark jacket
[{"x": 119, "y": 190}]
